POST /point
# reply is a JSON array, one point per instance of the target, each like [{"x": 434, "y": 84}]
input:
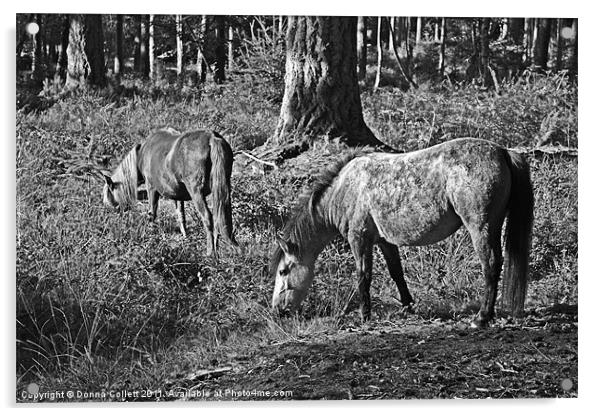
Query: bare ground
[{"x": 405, "y": 360}]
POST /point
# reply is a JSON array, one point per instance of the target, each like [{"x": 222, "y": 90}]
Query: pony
[
  {"x": 182, "y": 167},
  {"x": 413, "y": 199}
]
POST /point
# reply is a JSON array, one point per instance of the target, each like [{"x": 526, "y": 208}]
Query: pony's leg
[
  {"x": 391, "y": 254},
  {"x": 362, "y": 251},
  {"x": 181, "y": 217},
  {"x": 153, "y": 202},
  {"x": 201, "y": 205},
  {"x": 487, "y": 243}
]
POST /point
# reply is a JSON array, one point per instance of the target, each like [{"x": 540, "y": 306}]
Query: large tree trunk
[
  {"x": 542, "y": 44},
  {"x": 94, "y": 47},
  {"x": 362, "y": 50},
  {"x": 321, "y": 96},
  {"x": 77, "y": 61}
]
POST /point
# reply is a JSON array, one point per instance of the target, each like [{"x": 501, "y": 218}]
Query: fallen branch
[{"x": 256, "y": 159}]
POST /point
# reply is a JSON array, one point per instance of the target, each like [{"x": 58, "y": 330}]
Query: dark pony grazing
[
  {"x": 182, "y": 167},
  {"x": 413, "y": 199}
]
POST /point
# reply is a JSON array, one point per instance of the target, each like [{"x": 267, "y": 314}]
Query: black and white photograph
[{"x": 231, "y": 207}]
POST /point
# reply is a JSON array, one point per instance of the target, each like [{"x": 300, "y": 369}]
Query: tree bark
[
  {"x": 484, "y": 52},
  {"x": 321, "y": 96},
  {"x": 61, "y": 67},
  {"x": 137, "y": 41},
  {"x": 94, "y": 48},
  {"x": 559, "y": 45},
  {"x": 528, "y": 41},
  {"x": 118, "y": 64},
  {"x": 231, "y": 47},
  {"x": 144, "y": 65},
  {"x": 219, "y": 76},
  {"x": 441, "y": 66},
  {"x": 379, "y": 53},
  {"x": 574, "y": 61},
  {"x": 361, "y": 48},
  {"x": 201, "y": 60},
  {"x": 179, "y": 49},
  {"x": 151, "y": 46},
  {"x": 516, "y": 30},
  {"x": 542, "y": 44},
  {"x": 391, "y": 22},
  {"x": 418, "y": 30}
]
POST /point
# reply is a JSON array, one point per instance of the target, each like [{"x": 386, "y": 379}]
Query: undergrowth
[{"x": 107, "y": 300}]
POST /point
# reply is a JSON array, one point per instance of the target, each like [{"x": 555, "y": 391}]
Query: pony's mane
[
  {"x": 302, "y": 223},
  {"x": 126, "y": 175}
]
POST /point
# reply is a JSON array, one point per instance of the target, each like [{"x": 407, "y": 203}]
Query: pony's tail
[
  {"x": 221, "y": 170},
  {"x": 518, "y": 234}
]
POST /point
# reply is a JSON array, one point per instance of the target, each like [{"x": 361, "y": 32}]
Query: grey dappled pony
[
  {"x": 413, "y": 199},
  {"x": 182, "y": 167}
]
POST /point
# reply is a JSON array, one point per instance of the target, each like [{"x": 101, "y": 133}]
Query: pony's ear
[
  {"x": 284, "y": 245},
  {"x": 109, "y": 182}
]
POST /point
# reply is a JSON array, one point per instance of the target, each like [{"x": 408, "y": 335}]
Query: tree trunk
[
  {"x": 392, "y": 33},
  {"x": 151, "y": 46},
  {"x": 418, "y": 30},
  {"x": 528, "y": 41},
  {"x": 321, "y": 96},
  {"x": 574, "y": 61},
  {"x": 231, "y": 47},
  {"x": 219, "y": 76},
  {"x": 379, "y": 53},
  {"x": 441, "y": 66},
  {"x": 559, "y": 44},
  {"x": 144, "y": 67},
  {"x": 484, "y": 52},
  {"x": 118, "y": 64},
  {"x": 201, "y": 63},
  {"x": 137, "y": 40},
  {"x": 94, "y": 48},
  {"x": 61, "y": 67},
  {"x": 516, "y": 30},
  {"x": 542, "y": 44},
  {"x": 179, "y": 49},
  {"x": 361, "y": 48},
  {"x": 36, "y": 63},
  {"x": 77, "y": 62}
]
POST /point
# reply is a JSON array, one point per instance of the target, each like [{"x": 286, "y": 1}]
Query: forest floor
[{"x": 414, "y": 359}]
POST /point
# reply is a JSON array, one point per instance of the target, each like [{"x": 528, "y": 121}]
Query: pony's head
[
  {"x": 293, "y": 277},
  {"x": 121, "y": 188}
]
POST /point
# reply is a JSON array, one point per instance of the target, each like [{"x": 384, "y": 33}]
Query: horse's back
[
  {"x": 422, "y": 197},
  {"x": 173, "y": 162}
]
